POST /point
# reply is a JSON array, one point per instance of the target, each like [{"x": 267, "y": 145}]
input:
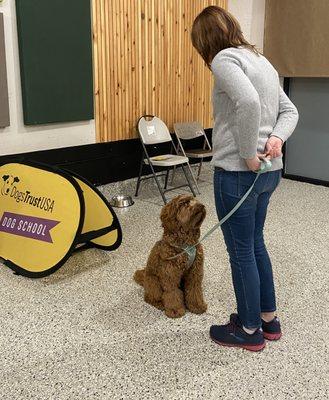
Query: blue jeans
[{"x": 243, "y": 233}]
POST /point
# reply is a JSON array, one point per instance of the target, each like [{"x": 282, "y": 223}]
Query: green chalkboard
[{"x": 55, "y": 46}]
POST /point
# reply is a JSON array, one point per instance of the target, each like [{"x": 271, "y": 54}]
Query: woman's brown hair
[{"x": 215, "y": 29}]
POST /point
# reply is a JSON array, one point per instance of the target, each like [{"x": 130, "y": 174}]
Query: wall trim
[
  {"x": 109, "y": 162},
  {"x": 99, "y": 163},
  {"x": 306, "y": 180}
]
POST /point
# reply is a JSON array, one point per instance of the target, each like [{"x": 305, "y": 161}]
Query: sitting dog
[{"x": 172, "y": 280}]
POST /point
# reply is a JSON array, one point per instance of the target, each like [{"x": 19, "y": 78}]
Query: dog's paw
[
  {"x": 197, "y": 308},
  {"x": 158, "y": 305},
  {"x": 154, "y": 303},
  {"x": 175, "y": 313}
]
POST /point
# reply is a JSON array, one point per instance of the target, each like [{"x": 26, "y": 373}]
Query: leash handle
[{"x": 265, "y": 166}]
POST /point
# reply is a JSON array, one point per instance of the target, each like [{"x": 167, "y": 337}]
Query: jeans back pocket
[{"x": 245, "y": 181}]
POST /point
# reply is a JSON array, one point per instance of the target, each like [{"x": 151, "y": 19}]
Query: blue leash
[{"x": 266, "y": 165}]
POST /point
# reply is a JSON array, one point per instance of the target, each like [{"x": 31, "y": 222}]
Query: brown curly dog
[{"x": 173, "y": 285}]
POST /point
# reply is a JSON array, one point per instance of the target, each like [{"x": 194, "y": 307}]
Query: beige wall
[{"x": 251, "y": 15}]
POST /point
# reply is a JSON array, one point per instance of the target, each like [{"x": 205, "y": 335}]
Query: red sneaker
[
  {"x": 272, "y": 329},
  {"x": 233, "y": 335}
]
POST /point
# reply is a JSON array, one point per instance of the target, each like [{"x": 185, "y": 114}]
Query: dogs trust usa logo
[
  {"x": 8, "y": 182},
  {"x": 10, "y": 189},
  {"x": 24, "y": 225}
]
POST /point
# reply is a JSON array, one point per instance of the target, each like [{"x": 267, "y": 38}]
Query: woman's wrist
[
  {"x": 253, "y": 163},
  {"x": 278, "y": 137}
]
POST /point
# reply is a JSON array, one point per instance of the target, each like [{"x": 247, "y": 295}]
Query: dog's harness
[{"x": 191, "y": 250}]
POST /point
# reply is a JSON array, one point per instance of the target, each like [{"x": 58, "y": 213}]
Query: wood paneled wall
[{"x": 144, "y": 63}]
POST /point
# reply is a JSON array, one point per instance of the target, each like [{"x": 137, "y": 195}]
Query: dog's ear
[
  {"x": 164, "y": 216},
  {"x": 16, "y": 179},
  {"x": 5, "y": 177}
]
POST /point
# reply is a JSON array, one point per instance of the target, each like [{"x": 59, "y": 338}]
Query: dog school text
[
  {"x": 44, "y": 203},
  {"x": 25, "y": 226}
]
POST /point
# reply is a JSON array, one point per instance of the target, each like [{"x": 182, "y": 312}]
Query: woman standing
[{"x": 253, "y": 118}]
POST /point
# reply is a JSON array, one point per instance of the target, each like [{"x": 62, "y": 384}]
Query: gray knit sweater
[{"x": 249, "y": 106}]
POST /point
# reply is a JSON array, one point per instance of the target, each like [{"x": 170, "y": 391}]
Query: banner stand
[{"x": 46, "y": 213}]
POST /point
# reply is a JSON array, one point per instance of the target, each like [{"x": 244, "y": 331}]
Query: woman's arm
[
  {"x": 231, "y": 79},
  {"x": 287, "y": 118}
]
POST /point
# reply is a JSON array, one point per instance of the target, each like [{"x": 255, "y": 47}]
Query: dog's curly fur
[{"x": 170, "y": 284}]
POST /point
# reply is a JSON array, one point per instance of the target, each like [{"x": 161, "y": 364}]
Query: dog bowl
[{"x": 121, "y": 201}]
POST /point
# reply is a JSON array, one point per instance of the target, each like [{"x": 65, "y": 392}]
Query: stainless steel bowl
[{"x": 121, "y": 201}]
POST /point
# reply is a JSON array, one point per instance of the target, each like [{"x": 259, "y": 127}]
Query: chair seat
[
  {"x": 167, "y": 160},
  {"x": 199, "y": 153}
]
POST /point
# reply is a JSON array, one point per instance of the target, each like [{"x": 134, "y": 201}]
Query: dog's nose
[
  {"x": 200, "y": 207},
  {"x": 7, "y": 191}
]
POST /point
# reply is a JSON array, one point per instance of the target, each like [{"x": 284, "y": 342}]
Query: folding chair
[
  {"x": 153, "y": 131},
  {"x": 191, "y": 130}
]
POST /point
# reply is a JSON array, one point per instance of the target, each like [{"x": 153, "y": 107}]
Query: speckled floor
[{"x": 85, "y": 332}]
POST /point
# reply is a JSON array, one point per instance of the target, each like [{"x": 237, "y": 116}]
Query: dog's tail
[{"x": 139, "y": 276}]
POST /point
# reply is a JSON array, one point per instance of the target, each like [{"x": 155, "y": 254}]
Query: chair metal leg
[
  {"x": 166, "y": 179},
  {"x": 199, "y": 169},
  {"x": 173, "y": 175},
  {"x": 188, "y": 180},
  {"x": 139, "y": 178},
  {"x": 193, "y": 177},
  {"x": 158, "y": 184}
]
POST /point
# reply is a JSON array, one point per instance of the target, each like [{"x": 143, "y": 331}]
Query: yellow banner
[{"x": 45, "y": 213}]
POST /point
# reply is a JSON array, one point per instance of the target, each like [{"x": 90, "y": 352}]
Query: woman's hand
[
  {"x": 254, "y": 163},
  {"x": 273, "y": 147}
]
